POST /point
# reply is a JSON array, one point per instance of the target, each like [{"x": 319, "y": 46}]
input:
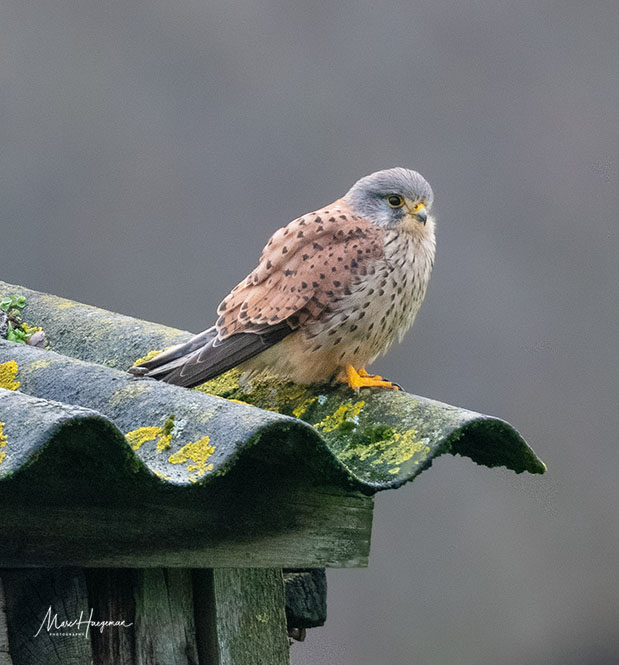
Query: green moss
[
  {"x": 304, "y": 407},
  {"x": 168, "y": 426},
  {"x": 342, "y": 419},
  {"x": 149, "y": 356},
  {"x": 223, "y": 385}
]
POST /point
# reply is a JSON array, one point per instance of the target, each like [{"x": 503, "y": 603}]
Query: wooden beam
[
  {"x": 240, "y": 617},
  {"x": 302, "y": 529}
]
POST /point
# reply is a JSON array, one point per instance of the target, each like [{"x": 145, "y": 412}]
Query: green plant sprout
[{"x": 16, "y": 329}]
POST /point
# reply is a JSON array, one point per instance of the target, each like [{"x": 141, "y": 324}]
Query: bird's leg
[{"x": 362, "y": 379}]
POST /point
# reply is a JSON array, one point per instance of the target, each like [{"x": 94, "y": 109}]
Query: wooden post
[
  {"x": 174, "y": 616},
  {"x": 165, "y": 631},
  {"x": 240, "y": 616},
  {"x": 29, "y": 596},
  {"x": 5, "y": 656}
]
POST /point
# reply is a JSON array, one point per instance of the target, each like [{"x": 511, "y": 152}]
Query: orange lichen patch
[{"x": 8, "y": 370}]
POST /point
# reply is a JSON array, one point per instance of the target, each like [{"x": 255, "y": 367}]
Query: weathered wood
[
  {"x": 165, "y": 632},
  {"x": 111, "y": 593},
  {"x": 306, "y": 598},
  {"x": 5, "y": 656},
  {"x": 240, "y": 617},
  {"x": 297, "y": 529},
  {"x": 33, "y": 596}
]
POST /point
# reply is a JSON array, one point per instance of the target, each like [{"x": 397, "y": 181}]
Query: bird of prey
[{"x": 332, "y": 291}]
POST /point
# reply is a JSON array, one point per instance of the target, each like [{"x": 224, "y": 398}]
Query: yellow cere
[
  {"x": 346, "y": 412},
  {"x": 197, "y": 452},
  {"x": 8, "y": 370}
]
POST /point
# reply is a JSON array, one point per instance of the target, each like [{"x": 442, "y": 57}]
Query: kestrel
[{"x": 332, "y": 292}]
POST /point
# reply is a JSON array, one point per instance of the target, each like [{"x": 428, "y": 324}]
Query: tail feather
[{"x": 205, "y": 356}]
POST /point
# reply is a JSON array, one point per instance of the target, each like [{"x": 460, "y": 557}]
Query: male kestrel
[{"x": 332, "y": 292}]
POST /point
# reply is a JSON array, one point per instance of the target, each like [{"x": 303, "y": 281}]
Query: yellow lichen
[
  {"x": 66, "y": 304},
  {"x": 344, "y": 413},
  {"x": 223, "y": 384},
  {"x": 163, "y": 435},
  {"x": 239, "y": 401},
  {"x": 300, "y": 410},
  {"x": 8, "y": 370},
  {"x": 198, "y": 452},
  {"x": 141, "y": 435},
  {"x": 3, "y": 442},
  {"x": 400, "y": 449},
  {"x": 130, "y": 391},
  {"x": 30, "y": 330},
  {"x": 392, "y": 451},
  {"x": 164, "y": 442},
  {"x": 43, "y": 363},
  {"x": 149, "y": 356}
]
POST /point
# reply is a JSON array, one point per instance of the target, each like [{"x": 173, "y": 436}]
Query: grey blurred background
[{"x": 148, "y": 150}]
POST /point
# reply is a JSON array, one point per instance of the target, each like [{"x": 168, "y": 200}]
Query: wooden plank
[
  {"x": 5, "y": 656},
  {"x": 240, "y": 617},
  {"x": 165, "y": 632},
  {"x": 111, "y": 593},
  {"x": 33, "y": 599},
  {"x": 302, "y": 529}
]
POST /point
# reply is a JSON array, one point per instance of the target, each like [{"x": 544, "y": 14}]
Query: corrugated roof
[{"x": 371, "y": 440}]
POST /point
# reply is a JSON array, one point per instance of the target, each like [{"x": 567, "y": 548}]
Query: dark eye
[{"x": 395, "y": 201}]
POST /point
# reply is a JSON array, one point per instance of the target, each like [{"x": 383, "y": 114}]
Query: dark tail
[{"x": 205, "y": 356}]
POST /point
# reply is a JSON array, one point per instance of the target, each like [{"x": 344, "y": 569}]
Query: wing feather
[{"x": 304, "y": 269}]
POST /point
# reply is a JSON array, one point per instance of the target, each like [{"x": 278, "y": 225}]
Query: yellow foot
[{"x": 362, "y": 379}]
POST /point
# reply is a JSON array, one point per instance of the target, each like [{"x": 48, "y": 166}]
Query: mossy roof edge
[
  {"x": 382, "y": 438},
  {"x": 179, "y": 437}
]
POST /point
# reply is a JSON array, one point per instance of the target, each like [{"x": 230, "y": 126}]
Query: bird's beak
[{"x": 421, "y": 214}]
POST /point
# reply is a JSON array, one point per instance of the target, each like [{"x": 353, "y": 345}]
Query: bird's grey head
[{"x": 389, "y": 198}]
